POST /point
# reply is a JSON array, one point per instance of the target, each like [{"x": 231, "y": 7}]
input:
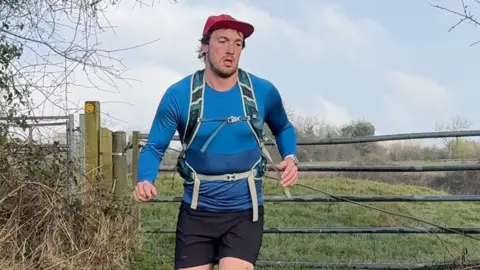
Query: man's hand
[
  {"x": 290, "y": 172},
  {"x": 144, "y": 191}
]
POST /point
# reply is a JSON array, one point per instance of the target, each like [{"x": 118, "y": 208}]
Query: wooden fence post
[
  {"x": 92, "y": 143},
  {"x": 135, "y": 155},
  {"x": 106, "y": 160},
  {"x": 82, "y": 156},
  {"x": 119, "y": 142}
]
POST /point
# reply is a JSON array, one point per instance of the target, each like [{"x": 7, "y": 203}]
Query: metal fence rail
[
  {"x": 375, "y": 138},
  {"x": 48, "y": 121},
  {"x": 372, "y": 198},
  {"x": 346, "y": 230},
  {"x": 38, "y": 118},
  {"x": 308, "y": 167},
  {"x": 31, "y": 122},
  {"x": 370, "y": 168},
  {"x": 397, "y": 266}
]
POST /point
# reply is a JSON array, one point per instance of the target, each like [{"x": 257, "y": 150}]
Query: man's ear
[{"x": 205, "y": 48}]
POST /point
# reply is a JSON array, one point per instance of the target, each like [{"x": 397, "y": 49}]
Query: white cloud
[
  {"x": 419, "y": 89},
  {"x": 325, "y": 30},
  {"x": 356, "y": 41},
  {"x": 414, "y": 98},
  {"x": 333, "y": 114},
  {"x": 341, "y": 27},
  {"x": 326, "y": 112},
  {"x": 129, "y": 104},
  {"x": 178, "y": 38}
]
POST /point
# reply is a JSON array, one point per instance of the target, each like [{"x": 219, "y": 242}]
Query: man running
[{"x": 219, "y": 113}]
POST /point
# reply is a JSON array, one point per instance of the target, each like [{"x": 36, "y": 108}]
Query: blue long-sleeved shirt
[{"x": 233, "y": 149}]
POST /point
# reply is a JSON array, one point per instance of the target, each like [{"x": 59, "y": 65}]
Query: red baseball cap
[{"x": 224, "y": 21}]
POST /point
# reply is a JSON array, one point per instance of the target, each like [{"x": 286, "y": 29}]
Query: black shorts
[{"x": 204, "y": 237}]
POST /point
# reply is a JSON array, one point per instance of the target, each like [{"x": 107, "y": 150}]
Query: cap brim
[{"x": 245, "y": 28}]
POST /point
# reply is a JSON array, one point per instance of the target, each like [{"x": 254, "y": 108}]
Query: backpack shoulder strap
[
  {"x": 195, "y": 108},
  {"x": 250, "y": 106}
]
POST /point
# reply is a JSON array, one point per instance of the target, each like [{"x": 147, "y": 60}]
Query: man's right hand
[{"x": 144, "y": 191}]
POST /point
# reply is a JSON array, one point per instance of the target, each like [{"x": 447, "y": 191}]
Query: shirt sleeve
[
  {"x": 277, "y": 120},
  {"x": 163, "y": 128}
]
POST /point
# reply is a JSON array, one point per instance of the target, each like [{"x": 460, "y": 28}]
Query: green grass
[{"x": 158, "y": 249}]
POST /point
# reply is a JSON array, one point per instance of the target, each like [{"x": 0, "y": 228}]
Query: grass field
[{"x": 157, "y": 250}]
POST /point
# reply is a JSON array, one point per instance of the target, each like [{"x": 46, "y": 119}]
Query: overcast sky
[{"x": 342, "y": 60}]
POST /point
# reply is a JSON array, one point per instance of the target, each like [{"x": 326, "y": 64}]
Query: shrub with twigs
[{"x": 45, "y": 225}]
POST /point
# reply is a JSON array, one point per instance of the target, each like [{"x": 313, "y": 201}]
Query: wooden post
[
  {"x": 92, "y": 143},
  {"x": 135, "y": 155},
  {"x": 122, "y": 186},
  {"x": 106, "y": 168},
  {"x": 82, "y": 156},
  {"x": 72, "y": 153}
]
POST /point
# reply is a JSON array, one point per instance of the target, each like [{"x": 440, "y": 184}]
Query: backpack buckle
[
  {"x": 233, "y": 119},
  {"x": 231, "y": 176}
]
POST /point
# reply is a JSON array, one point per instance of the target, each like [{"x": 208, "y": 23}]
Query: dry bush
[
  {"x": 368, "y": 159},
  {"x": 459, "y": 182},
  {"x": 44, "y": 224}
]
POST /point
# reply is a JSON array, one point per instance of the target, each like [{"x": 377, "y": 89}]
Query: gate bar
[
  {"x": 389, "y": 266},
  {"x": 36, "y": 118},
  {"x": 369, "y": 168},
  {"x": 373, "y": 198},
  {"x": 346, "y": 230},
  {"x": 374, "y": 138}
]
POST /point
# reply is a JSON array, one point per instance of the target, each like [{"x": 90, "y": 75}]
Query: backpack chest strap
[
  {"x": 225, "y": 177},
  {"x": 229, "y": 120}
]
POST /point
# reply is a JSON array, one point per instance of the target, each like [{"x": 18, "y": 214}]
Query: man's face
[{"x": 223, "y": 51}]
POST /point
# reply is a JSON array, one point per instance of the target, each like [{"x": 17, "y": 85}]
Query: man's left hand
[{"x": 289, "y": 172}]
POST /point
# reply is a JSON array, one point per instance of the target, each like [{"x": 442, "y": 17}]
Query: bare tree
[
  {"x": 463, "y": 12},
  {"x": 44, "y": 46},
  {"x": 43, "y": 43},
  {"x": 455, "y": 124}
]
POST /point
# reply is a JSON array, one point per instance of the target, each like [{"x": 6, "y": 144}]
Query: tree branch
[{"x": 464, "y": 14}]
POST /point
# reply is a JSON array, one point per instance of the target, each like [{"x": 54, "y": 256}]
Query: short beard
[{"x": 217, "y": 71}]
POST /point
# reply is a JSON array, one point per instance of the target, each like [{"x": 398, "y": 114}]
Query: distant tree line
[{"x": 377, "y": 153}]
